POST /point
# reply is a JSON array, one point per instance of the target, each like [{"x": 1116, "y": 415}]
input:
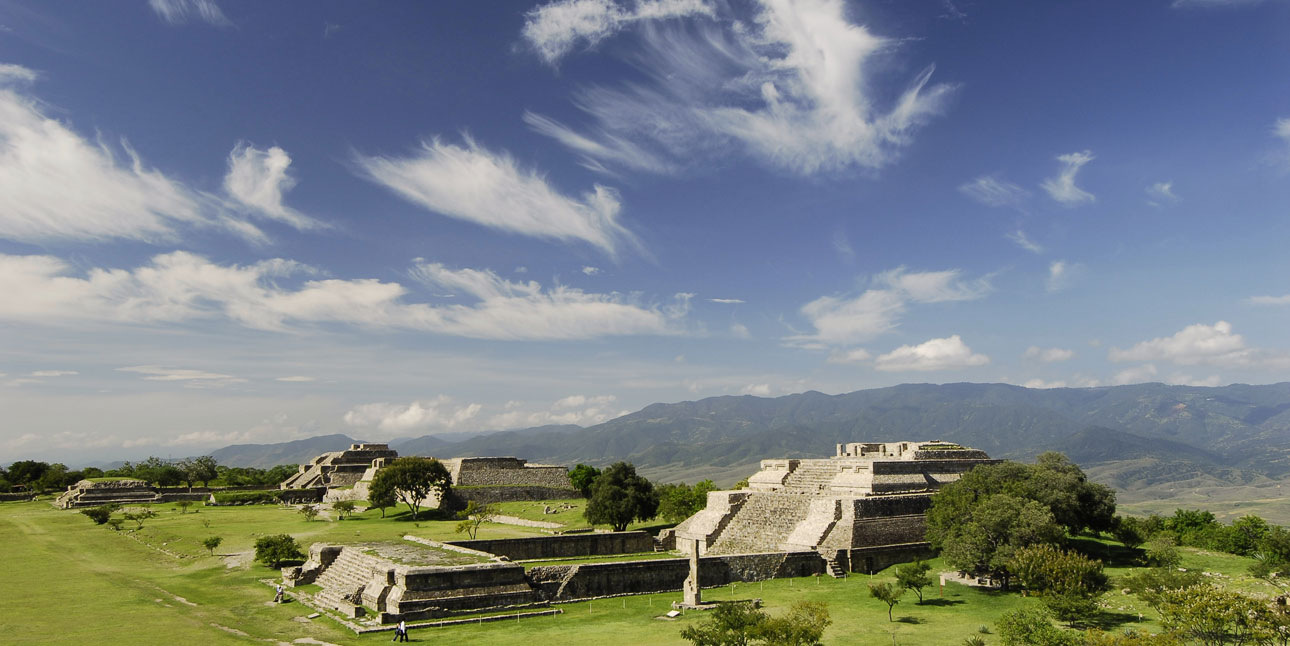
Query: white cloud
[
  {"x": 257, "y": 179},
  {"x": 182, "y": 287},
  {"x": 52, "y": 373},
  {"x": 581, "y": 410},
  {"x": 1024, "y": 241},
  {"x": 991, "y": 191},
  {"x": 935, "y": 354},
  {"x": 1187, "y": 380},
  {"x": 439, "y": 413},
  {"x": 1040, "y": 383},
  {"x": 190, "y": 377},
  {"x": 726, "y": 301},
  {"x": 296, "y": 379},
  {"x": 40, "y": 158},
  {"x": 1062, "y": 275},
  {"x": 1048, "y": 355},
  {"x": 758, "y": 390},
  {"x": 1202, "y": 344},
  {"x": 855, "y": 355},
  {"x": 490, "y": 189},
  {"x": 1161, "y": 193},
  {"x": 178, "y": 12},
  {"x": 590, "y": 271},
  {"x": 844, "y": 321},
  {"x": 1062, "y": 188},
  {"x": 740, "y": 331},
  {"x": 1134, "y": 375},
  {"x": 555, "y": 28},
  {"x": 1270, "y": 300},
  {"x": 793, "y": 87},
  {"x": 1213, "y": 4}
]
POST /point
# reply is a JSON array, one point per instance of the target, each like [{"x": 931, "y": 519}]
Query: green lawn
[{"x": 70, "y": 581}]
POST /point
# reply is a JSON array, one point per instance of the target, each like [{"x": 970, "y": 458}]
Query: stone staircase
[
  {"x": 834, "y": 568},
  {"x": 810, "y": 477},
  {"x": 762, "y": 524},
  {"x": 85, "y": 494},
  {"x": 344, "y": 581}
]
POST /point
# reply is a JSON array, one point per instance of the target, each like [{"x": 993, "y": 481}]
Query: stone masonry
[
  {"x": 91, "y": 493},
  {"x": 339, "y": 468},
  {"x": 868, "y": 496}
]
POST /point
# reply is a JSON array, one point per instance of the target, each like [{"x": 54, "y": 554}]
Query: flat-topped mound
[{"x": 93, "y": 492}]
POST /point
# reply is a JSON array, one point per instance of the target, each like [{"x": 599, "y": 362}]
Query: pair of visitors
[{"x": 401, "y": 632}]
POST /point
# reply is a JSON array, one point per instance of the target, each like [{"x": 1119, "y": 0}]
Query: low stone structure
[
  {"x": 341, "y": 468},
  {"x": 92, "y": 493},
  {"x": 866, "y": 501},
  {"x": 565, "y": 546}
]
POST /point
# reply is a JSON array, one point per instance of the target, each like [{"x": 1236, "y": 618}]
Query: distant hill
[{"x": 264, "y": 456}]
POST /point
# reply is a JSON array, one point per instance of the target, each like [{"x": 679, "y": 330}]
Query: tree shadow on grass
[
  {"x": 909, "y": 620},
  {"x": 1108, "y": 621},
  {"x": 1111, "y": 554},
  {"x": 941, "y": 602}
]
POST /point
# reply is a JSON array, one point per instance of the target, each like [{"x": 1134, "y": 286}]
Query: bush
[
  {"x": 310, "y": 512},
  {"x": 275, "y": 550},
  {"x": 211, "y": 543},
  {"x": 99, "y": 515}
]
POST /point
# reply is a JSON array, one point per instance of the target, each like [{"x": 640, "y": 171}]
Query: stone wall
[
  {"x": 589, "y": 580},
  {"x": 488, "y": 495},
  {"x": 492, "y": 472},
  {"x": 569, "y": 546},
  {"x": 868, "y": 560},
  {"x": 22, "y": 495}
]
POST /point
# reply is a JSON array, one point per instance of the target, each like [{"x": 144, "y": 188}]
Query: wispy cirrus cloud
[
  {"x": 992, "y": 191},
  {"x": 474, "y": 184},
  {"x": 179, "y": 12},
  {"x": 1213, "y": 4},
  {"x": 1062, "y": 275},
  {"x": 1161, "y": 193},
  {"x": 1022, "y": 240},
  {"x": 949, "y": 353},
  {"x": 1062, "y": 187},
  {"x": 181, "y": 287},
  {"x": 850, "y": 320},
  {"x": 41, "y": 157},
  {"x": 257, "y": 179},
  {"x": 556, "y": 28},
  {"x": 1270, "y": 300},
  {"x": 1048, "y": 355},
  {"x": 792, "y": 88},
  {"x": 187, "y": 376}
]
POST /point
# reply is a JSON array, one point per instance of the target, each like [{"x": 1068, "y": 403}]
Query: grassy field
[{"x": 70, "y": 581}]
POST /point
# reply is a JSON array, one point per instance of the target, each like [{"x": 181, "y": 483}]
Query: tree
[
  {"x": 211, "y": 543},
  {"x": 983, "y": 538},
  {"x": 740, "y": 624},
  {"x": 1130, "y": 531},
  {"x": 412, "y": 480},
  {"x": 201, "y": 469},
  {"x": 581, "y": 477},
  {"x": 1272, "y": 559},
  {"x": 275, "y": 550},
  {"x": 802, "y": 625},
  {"x": 1033, "y": 627},
  {"x": 310, "y": 512},
  {"x": 619, "y": 496},
  {"x": 1148, "y": 583},
  {"x": 1213, "y": 617},
  {"x": 1162, "y": 551},
  {"x": 473, "y": 516},
  {"x": 886, "y": 593},
  {"x": 99, "y": 514},
  {"x": 183, "y": 506},
  {"x": 27, "y": 472},
  {"x": 1069, "y": 581},
  {"x": 382, "y": 499},
  {"x": 138, "y": 516},
  {"x": 115, "y": 523},
  {"x": 680, "y": 501},
  {"x": 343, "y": 508},
  {"x": 913, "y": 576}
]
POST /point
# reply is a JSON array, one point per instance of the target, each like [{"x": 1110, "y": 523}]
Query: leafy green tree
[
  {"x": 1069, "y": 581},
  {"x": 310, "y": 512},
  {"x": 382, "y": 499},
  {"x": 1272, "y": 559},
  {"x": 983, "y": 538},
  {"x": 1162, "y": 551},
  {"x": 1148, "y": 583},
  {"x": 1245, "y": 535},
  {"x": 27, "y": 472},
  {"x": 886, "y": 593},
  {"x": 1033, "y": 627},
  {"x": 913, "y": 576},
  {"x": 473, "y": 516},
  {"x": 200, "y": 469},
  {"x": 680, "y": 501},
  {"x": 138, "y": 516},
  {"x": 99, "y": 514},
  {"x": 275, "y": 550},
  {"x": 115, "y": 523},
  {"x": 729, "y": 624},
  {"x": 412, "y": 480},
  {"x": 343, "y": 508},
  {"x": 56, "y": 478},
  {"x": 183, "y": 505},
  {"x": 619, "y": 496},
  {"x": 211, "y": 543},
  {"x": 802, "y": 625},
  {"x": 582, "y": 476},
  {"x": 1130, "y": 531}
]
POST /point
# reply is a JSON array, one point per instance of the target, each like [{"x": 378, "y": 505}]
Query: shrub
[
  {"x": 310, "y": 512},
  {"x": 275, "y": 550},
  {"x": 211, "y": 543},
  {"x": 99, "y": 515},
  {"x": 343, "y": 508}
]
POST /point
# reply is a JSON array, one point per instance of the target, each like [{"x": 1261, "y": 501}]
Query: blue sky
[{"x": 226, "y": 222}]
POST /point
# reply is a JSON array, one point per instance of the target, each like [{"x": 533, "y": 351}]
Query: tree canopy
[
  {"x": 412, "y": 480},
  {"x": 619, "y": 496},
  {"x": 581, "y": 477},
  {"x": 680, "y": 501}
]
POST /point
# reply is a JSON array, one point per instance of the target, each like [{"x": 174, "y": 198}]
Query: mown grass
[{"x": 70, "y": 581}]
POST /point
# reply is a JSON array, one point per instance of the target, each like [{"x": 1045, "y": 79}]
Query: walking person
[
  {"x": 401, "y": 632},
  {"x": 277, "y": 598}
]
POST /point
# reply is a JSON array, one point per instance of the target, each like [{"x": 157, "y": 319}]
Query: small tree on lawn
[
  {"x": 274, "y": 550},
  {"x": 343, "y": 508},
  {"x": 886, "y": 593},
  {"x": 183, "y": 506},
  {"x": 412, "y": 480},
  {"x": 211, "y": 543},
  {"x": 310, "y": 512},
  {"x": 473, "y": 516},
  {"x": 115, "y": 523},
  {"x": 913, "y": 576},
  {"x": 139, "y": 516},
  {"x": 382, "y": 499},
  {"x": 99, "y": 514}
]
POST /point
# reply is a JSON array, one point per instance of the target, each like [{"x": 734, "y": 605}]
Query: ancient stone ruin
[
  {"x": 92, "y": 493},
  {"x": 861, "y": 509},
  {"x": 340, "y": 468}
]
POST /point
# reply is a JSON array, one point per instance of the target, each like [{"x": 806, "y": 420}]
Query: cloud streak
[
  {"x": 180, "y": 12},
  {"x": 1062, "y": 187},
  {"x": 949, "y": 353},
  {"x": 556, "y": 28}
]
